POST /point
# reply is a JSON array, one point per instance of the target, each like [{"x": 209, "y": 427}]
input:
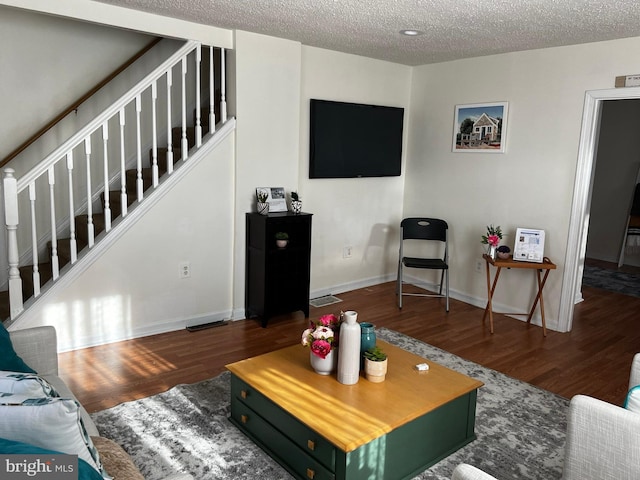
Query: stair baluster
[
  {"x": 184, "y": 144},
  {"x": 223, "y": 83},
  {"x": 34, "y": 240},
  {"x": 90, "y": 227},
  {"x": 123, "y": 168},
  {"x": 55, "y": 264},
  {"x": 169, "y": 124},
  {"x": 198, "y": 124},
  {"x": 139, "y": 181},
  {"x": 72, "y": 225},
  {"x": 154, "y": 134},
  {"x": 105, "y": 166},
  {"x": 212, "y": 99}
]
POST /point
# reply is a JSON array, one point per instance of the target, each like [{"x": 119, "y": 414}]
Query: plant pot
[
  {"x": 296, "y": 206},
  {"x": 324, "y": 366},
  {"x": 263, "y": 208},
  {"x": 282, "y": 243},
  {"x": 375, "y": 371}
]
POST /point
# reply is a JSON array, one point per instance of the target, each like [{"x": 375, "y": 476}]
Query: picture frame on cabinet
[
  {"x": 480, "y": 128},
  {"x": 276, "y": 198}
]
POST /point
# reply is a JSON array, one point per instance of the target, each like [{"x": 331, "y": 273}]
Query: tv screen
[{"x": 349, "y": 140}]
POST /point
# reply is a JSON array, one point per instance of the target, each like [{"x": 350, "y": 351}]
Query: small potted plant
[
  {"x": 504, "y": 252},
  {"x": 296, "y": 203},
  {"x": 282, "y": 239},
  {"x": 375, "y": 364},
  {"x": 262, "y": 205}
]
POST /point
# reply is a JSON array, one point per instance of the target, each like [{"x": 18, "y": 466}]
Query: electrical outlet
[
  {"x": 185, "y": 270},
  {"x": 479, "y": 266},
  {"x": 347, "y": 251}
]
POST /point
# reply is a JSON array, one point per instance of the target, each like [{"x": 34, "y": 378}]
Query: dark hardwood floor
[{"x": 593, "y": 359}]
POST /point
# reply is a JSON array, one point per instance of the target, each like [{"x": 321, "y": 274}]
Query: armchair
[{"x": 603, "y": 440}]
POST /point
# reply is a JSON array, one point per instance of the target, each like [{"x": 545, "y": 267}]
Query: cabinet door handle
[
  {"x": 244, "y": 394},
  {"x": 244, "y": 418},
  {"x": 311, "y": 445},
  {"x": 310, "y": 473}
]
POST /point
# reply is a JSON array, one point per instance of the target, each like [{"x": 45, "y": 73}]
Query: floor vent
[{"x": 323, "y": 301}]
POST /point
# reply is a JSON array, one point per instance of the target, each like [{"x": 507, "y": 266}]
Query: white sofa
[
  {"x": 38, "y": 348},
  {"x": 603, "y": 441}
]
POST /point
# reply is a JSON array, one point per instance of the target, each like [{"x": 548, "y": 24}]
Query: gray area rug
[
  {"x": 612, "y": 280},
  {"x": 520, "y": 428}
]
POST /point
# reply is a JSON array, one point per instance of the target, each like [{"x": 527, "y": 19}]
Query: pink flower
[
  {"x": 493, "y": 240},
  {"x": 321, "y": 348},
  {"x": 328, "y": 320}
]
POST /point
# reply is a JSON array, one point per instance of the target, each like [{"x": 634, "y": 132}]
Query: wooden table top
[
  {"x": 546, "y": 264},
  {"x": 350, "y": 416}
]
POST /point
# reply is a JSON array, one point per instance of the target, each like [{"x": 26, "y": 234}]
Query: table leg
[
  {"x": 539, "y": 296},
  {"x": 490, "y": 290}
]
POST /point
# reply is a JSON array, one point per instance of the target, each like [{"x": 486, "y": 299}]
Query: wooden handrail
[{"x": 77, "y": 103}]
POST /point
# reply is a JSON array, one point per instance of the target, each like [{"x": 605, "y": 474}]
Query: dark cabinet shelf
[{"x": 277, "y": 279}]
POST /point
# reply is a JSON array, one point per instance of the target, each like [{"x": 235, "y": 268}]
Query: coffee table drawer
[
  {"x": 279, "y": 446},
  {"x": 306, "y": 439}
]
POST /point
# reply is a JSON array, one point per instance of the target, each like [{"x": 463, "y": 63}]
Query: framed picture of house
[{"x": 480, "y": 128}]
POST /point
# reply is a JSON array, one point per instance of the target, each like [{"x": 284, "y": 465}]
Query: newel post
[{"x": 10, "y": 190}]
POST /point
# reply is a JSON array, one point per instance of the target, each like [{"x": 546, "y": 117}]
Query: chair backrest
[{"x": 422, "y": 228}]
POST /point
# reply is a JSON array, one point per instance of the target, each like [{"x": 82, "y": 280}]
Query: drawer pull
[
  {"x": 244, "y": 394},
  {"x": 311, "y": 445},
  {"x": 310, "y": 473},
  {"x": 244, "y": 418}
]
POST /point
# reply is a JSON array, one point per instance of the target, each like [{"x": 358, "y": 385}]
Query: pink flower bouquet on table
[
  {"x": 322, "y": 335},
  {"x": 493, "y": 236}
]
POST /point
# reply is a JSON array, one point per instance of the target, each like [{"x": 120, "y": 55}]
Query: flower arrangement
[
  {"x": 493, "y": 236},
  {"x": 321, "y": 336}
]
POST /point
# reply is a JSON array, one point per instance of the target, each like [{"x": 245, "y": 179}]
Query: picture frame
[
  {"x": 529, "y": 245},
  {"x": 480, "y": 128},
  {"x": 276, "y": 198}
]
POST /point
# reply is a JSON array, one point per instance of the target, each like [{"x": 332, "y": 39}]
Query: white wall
[
  {"x": 62, "y": 59},
  {"x": 363, "y": 213},
  {"x": 531, "y": 184}
]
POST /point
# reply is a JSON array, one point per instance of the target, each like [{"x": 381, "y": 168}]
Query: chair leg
[
  {"x": 399, "y": 285},
  {"x": 447, "y": 288}
]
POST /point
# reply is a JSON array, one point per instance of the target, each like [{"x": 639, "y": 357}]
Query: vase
[
  {"x": 367, "y": 339},
  {"x": 296, "y": 206},
  {"x": 349, "y": 349},
  {"x": 492, "y": 251},
  {"x": 323, "y": 366},
  {"x": 263, "y": 208}
]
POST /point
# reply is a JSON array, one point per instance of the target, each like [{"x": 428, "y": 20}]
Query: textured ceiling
[{"x": 453, "y": 29}]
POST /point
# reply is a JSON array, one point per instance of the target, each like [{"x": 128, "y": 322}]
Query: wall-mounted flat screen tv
[{"x": 349, "y": 140}]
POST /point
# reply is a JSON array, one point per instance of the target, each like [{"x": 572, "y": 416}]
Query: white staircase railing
[{"x": 122, "y": 132}]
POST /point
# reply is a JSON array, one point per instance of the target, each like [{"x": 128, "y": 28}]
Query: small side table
[{"x": 500, "y": 263}]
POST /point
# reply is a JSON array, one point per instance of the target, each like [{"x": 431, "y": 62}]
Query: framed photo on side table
[
  {"x": 529, "y": 245},
  {"x": 275, "y": 198}
]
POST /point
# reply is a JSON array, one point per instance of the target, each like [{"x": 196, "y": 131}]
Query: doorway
[{"x": 580, "y": 209}]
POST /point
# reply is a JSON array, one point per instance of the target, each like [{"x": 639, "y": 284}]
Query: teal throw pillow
[
  {"x": 9, "y": 359},
  {"x": 632, "y": 402},
  {"x": 10, "y": 447}
]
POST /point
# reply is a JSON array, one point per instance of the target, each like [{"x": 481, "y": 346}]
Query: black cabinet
[{"x": 277, "y": 279}]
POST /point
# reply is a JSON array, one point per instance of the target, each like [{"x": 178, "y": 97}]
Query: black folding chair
[{"x": 429, "y": 229}]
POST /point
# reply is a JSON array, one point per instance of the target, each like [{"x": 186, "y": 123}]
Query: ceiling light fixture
[{"x": 411, "y": 33}]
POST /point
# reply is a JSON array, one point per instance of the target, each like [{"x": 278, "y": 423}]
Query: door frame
[{"x": 579, "y": 221}]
